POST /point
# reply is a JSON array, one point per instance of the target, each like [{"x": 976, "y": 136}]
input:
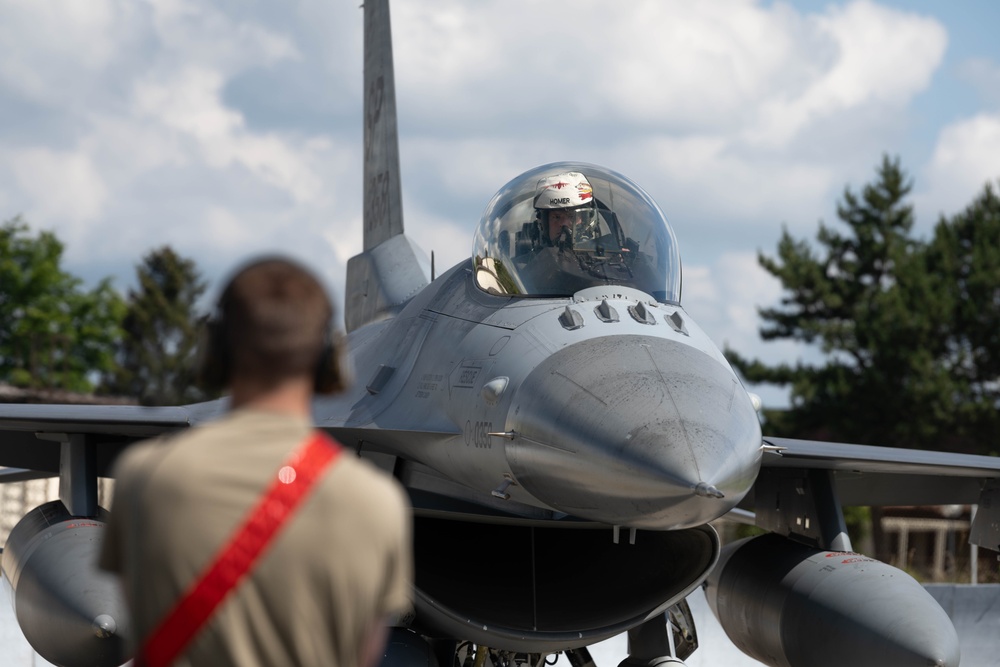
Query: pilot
[
  {"x": 564, "y": 205},
  {"x": 335, "y": 565}
]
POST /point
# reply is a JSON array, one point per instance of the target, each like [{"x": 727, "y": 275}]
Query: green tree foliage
[
  {"x": 908, "y": 357},
  {"x": 53, "y": 333},
  {"x": 157, "y": 360},
  {"x": 964, "y": 255}
]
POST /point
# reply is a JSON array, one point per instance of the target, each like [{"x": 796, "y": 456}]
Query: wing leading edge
[
  {"x": 32, "y": 436},
  {"x": 865, "y": 475}
]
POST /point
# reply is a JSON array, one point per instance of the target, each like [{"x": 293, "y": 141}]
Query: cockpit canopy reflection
[{"x": 564, "y": 227}]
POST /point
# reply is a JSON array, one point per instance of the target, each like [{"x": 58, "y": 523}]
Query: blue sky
[{"x": 227, "y": 129}]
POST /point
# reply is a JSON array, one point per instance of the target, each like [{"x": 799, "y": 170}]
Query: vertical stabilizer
[
  {"x": 383, "y": 214},
  {"x": 392, "y": 268}
]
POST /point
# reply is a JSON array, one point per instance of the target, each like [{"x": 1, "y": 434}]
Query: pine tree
[
  {"x": 964, "y": 255},
  {"x": 866, "y": 298},
  {"x": 157, "y": 359}
]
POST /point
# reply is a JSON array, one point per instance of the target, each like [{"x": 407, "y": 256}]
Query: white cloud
[
  {"x": 65, "y": 186},
  {"x": 701, "y": 65},
  {"x": 749, "y": 71},
  {"x": 224, "y": 231},
  {"x": 49, "y": 49},
  {"x": 129, "y": 146},
  {"x": 738, "y": 187},
  {"x": 882, "y": 57},
  {"x": 145, "y": 150},
  {"x": 345, "y": 239},
  {"x": 885, "y": 54},
  {"x": 189, "y": 102},
  {"x": 723, "y": 298},
  {"x": 200, "y": 32},
  {"x": 449, "y": 242},
  {"x": 964, "y": 160},
  {"x": 731, "y": 113},
  {"x": 662, "y": 62},
  {"x": 191, "y": 105}
]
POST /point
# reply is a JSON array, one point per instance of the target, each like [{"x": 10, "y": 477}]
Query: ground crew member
[{"x": 323, "y": 586}]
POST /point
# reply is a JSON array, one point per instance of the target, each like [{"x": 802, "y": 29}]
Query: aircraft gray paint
[{"x": 566, "y": 432}]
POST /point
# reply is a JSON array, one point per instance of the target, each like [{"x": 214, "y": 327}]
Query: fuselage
[{"x": 607, "y": 406}]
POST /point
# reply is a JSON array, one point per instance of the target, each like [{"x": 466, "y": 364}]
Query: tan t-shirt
[{"x": 340, "y": 564}]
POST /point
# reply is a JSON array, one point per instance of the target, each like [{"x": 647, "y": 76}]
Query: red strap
[{"x": 235, "y": 559}]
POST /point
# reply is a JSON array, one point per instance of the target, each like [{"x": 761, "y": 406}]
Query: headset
[{"x": 216, "y": 365}]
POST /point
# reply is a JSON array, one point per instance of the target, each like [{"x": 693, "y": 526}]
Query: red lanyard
[{"x": 294, "y": 479}]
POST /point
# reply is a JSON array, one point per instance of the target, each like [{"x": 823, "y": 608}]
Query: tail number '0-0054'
[{"x": 477, "y": 433}]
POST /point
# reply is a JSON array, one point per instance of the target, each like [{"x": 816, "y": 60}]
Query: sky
[{"x": 229, "y": 128}]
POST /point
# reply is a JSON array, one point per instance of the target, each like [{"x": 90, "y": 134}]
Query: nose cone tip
[
  {"x": 706, "y": 490},
  {"x": 635, "y": 431},
  {"x": 104, "y": 626}
]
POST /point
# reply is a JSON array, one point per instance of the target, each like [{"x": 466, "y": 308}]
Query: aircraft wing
[
  {"x": 31, "y": 436},
  {"x": 865, "y": 475}
]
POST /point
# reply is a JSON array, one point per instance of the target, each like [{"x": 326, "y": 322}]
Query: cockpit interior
[{"x": 563, "y": 227}]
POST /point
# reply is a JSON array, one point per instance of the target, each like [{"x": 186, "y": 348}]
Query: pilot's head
[{"x": 563, "y": 202}]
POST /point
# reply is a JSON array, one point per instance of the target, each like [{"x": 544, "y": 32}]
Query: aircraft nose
[{"x": 634, "y": 431}]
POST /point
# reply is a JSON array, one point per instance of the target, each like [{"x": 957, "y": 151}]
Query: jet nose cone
[
  {"x": 104, "y": 626},
  {"x": 636, "y": 431}
]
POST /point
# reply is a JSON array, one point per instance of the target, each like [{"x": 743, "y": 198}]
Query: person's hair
[{"x": 273, "y": 322}]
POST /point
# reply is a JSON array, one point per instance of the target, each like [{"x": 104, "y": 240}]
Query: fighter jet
[{"x": 566, "y": 432}]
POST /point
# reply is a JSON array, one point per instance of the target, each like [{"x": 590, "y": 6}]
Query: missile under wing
[{"x": 566, "y": 432}]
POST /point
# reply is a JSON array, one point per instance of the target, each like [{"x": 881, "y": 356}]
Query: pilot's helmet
[{"x": 568, "y": 192}]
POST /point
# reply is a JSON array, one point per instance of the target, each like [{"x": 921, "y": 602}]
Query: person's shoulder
[
  {"x": 366, "y": 475},
  {"x": 371, "y": 485},
  {"x": 138, "y": 457}
]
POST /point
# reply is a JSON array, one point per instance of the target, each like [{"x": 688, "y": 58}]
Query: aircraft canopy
[{"x": 564, "y": 227}]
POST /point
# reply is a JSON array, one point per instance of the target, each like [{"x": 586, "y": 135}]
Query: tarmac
[{"x": 975, "y": 610}]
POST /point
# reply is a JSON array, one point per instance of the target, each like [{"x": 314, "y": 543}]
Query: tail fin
[
  {"x": 383, "y": 215},
  {"x": 391, "y": 269}
]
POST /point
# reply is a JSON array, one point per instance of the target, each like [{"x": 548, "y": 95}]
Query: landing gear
[
  {"x": 472, "y": 655},
  {"x": 405, "y": 648},
  {"x": 664, "y": 640},
  {"x": 580, "y": 657},
  {"x": 668, "y": 639}
]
